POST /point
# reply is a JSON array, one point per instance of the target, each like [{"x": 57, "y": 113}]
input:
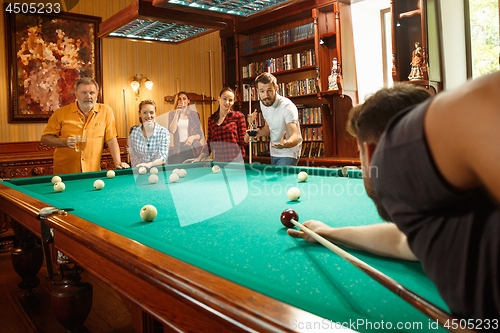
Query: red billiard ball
[{"x": 287, "y": 215}]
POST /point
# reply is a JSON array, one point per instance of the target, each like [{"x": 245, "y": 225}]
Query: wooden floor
[{"x": 19, "y": 314}]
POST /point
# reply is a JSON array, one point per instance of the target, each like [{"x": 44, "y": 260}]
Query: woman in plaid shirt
[
  {"x": 149, "y": 141},
  {"x": 184, "y": 124},
  {"x": 227, "y": 136}
]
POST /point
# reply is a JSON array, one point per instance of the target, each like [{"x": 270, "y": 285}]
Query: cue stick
[
  {"x": 211, "y": 83},
  {"x": 126, "y": 132},
  {"x": 421, "y": 304},
  {"x": 249, "y": 112},
  {"x": 205, "y": 125}
]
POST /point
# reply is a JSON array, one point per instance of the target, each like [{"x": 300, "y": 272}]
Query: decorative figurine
[
  {"x": 332, "y": 78},
  {"x": 416, "y": 63}
]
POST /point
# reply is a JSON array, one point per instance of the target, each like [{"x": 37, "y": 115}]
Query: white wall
[
  {"x": 453, "y": 43},
  {"x": 367, "y": 33}
]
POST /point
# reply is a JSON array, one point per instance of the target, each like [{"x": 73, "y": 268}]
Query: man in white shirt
[{"x": 282, "y": 122}]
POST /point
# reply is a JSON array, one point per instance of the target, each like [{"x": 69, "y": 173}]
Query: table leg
[
  {"x": 27, "y": 259},
  {"x": 71, "y": 299},
  {"x": 6, "y": 233}
]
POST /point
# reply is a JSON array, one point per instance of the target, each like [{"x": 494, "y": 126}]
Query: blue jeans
[{"x": 284, "y": 160}]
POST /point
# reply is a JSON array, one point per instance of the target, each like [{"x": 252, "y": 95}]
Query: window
[{"x": 485, "y": 39}]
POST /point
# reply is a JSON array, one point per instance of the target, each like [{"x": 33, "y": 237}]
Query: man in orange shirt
[{"x": 87, "y": 118}]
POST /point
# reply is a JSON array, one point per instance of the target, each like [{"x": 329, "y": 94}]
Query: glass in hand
[{"x": 80, "y": 143}]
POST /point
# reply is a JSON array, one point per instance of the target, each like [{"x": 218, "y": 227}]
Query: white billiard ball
[
  {"x": 303, "y": 176},
  {"x": 148, "y": 213},
  {"x": 99, "y": 184},
  {"x": 153, "y": 171},
  {"x": 216, "y": 169},
  {"x": 174, "y": 178},
  {"x": 59, "y": 187},
  {"x": 293, "y": 194},
  {"x": 153, "y": 179},
  {"x": 182, "y": 173},
  {"x": 142, "y": 170},
  {"x": 176, "y": 171},
  {"x": 56, "y": 179},
  {"x": 110, "y": 174}
]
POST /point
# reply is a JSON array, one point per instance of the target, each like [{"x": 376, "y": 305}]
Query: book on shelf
[
  {"x": 278, "y": 38},
  {"x": 306, "y": 149},
  {"x": 312, "y": 133},
  {"x": 297, "y": 88},
  {"x": 284, "y": 63},
  {"x": 245, "y": 94},
  {"x": 260, "y": 122},
  {"x": 303, "y": 32},
  {"x": 309, "y": 115},
  {"x": 314, "y": 149},
  {"x": 262, "y": 148}
]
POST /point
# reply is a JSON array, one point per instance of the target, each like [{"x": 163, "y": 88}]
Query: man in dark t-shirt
[{"x": 432, "y": 169}]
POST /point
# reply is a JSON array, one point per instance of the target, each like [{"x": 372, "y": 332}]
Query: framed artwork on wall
[{"x": 47, "y": 52}]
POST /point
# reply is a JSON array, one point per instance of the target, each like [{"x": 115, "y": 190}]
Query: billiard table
[{"x": 216, "y": 257}]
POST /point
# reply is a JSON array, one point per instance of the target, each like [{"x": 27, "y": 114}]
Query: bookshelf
[
  {"x": 297, "y": 46},
  {"x": 311, "y": 127}
]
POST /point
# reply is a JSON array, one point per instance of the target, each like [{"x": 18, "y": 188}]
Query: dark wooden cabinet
[
  {"x": 297, "y": 45},
  {"x": 416, "y": 21}
]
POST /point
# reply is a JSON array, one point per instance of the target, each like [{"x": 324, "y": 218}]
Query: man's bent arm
[
  {"x": 383, "y": 239},
  {"x": 294, "y": 139},
  {"x": 54, "y": 141},
  {"x": 264, "y": 131},
  {"x": 114, "y": 149}
]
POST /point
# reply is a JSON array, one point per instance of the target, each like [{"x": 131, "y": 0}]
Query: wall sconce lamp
[{"x": 137, "y": 83}]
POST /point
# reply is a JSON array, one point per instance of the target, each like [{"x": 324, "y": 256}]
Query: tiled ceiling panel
[
  {"x": 242, "y": 7},
  {"x": 157, "y": 31}
]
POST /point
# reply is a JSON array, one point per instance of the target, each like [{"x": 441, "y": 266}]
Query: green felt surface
[{"x": 228, "y": 223}]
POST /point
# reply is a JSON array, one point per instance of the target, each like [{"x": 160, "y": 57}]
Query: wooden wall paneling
[
  {"x": 346, "y": 143},
  {"x": 122, "y": 59},
  {"x": 189, "y": 78},
  {"x": 33, "y": 158},
  {"x": 329, "y": 144},
  {"x": 335, "y": 111},
  {"x": 237, "y": 64},
  {"x": 225, "y": 70},
  {"x": 125, "y": 80}
]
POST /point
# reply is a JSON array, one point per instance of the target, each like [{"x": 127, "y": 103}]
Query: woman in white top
[
  {"x": 148, "y": 142},
  {"x": 184, "y": 124}
]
